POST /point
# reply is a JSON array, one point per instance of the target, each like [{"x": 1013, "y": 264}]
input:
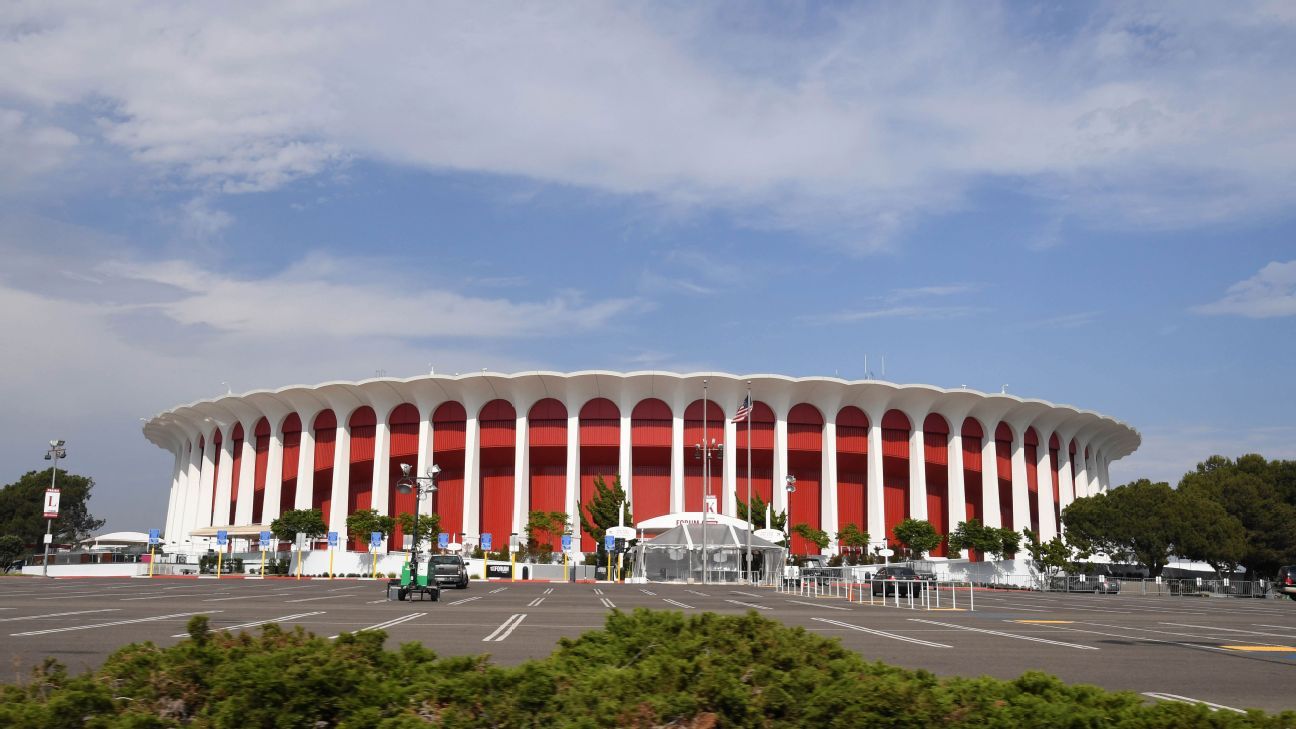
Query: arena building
[{"x": 865, "y": 452}]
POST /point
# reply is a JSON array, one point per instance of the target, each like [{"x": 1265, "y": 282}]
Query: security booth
[{"x": 707, "y": 553}]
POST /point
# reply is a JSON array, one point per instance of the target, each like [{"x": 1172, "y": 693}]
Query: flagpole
[
  {"x": 749, "y": 477},
  {"x": 706, "y": 479}
]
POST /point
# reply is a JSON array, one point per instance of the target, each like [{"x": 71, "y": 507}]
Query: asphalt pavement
[{"x": 1235, "y": 653}]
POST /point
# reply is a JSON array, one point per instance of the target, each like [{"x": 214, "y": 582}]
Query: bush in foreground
[{"x": 646, "y": 669}]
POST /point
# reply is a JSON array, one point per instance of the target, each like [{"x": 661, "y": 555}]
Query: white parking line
[
  {"x": 647, "y": 592},
  {"x": 243, "y": 597},
  {"x": 387, "y": 624},
  {"x": 607, "y": 603},
  {"x": 498, "y": 589},
  {"x": 678, "y": 603},
  {"x": 598, "y": 591},
  {"x": 883, "y": 634},
  {"x": 818, "y": 604},
  {"x": 1227, "y": 630},
  {"x": 506, "y": 628},
  {"x": 536, "y": 602},
  {"x": 700, "y": 594},
  {"x": 1185, "y": 700},
  {"x": 750, "y": 605},
  {"x": 259, "y": 623},
  {"x": 1280, "y": 627},
  {"x": 1077, "y": 646},
  {"x": 163, "y": 597},
  {"x": 748, "y": 594},
  {"x": 548, "y": 591},
  {"x": 466, "y": 599},
  {"x": 343, "y": 589},
  {"x": 108, "y": 625},
  {"x": 57, "y": 615},
  {"x": 322, "y": 597}
]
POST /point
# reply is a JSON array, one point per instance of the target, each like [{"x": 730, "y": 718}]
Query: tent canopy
[{"x": 716, "y": 535}]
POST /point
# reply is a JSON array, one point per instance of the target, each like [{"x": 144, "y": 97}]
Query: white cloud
[
  {"x": 1269, "y": 293},
  {"x": 1168, "y": 452},
  {"x": 30, "y": 149},
  {"x": 867, "y": 116}
]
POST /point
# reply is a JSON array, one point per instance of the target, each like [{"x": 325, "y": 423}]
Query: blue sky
[{"x": 1089, "y": 203}]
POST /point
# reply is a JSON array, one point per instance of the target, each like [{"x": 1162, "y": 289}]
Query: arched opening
[
  {"x": 261, "y": 446},
  {"x": 292, "y": 431},
  {"x": 217, "y": 439},
  {"x": 600, "y": 453},
  {"x": 936, "y": 468},
  {"x": 363, "y": 425},
  {"x": 852, "y": 468},
  {"x": 973, "y": 475},
  {"x": 895, "y": 470},
  {"x": 694, "y": 435},
  {"x": 1054, "y": 446},
  {"x": 760, "y": 425},
  {"x": 805, "y": 461},
  {"x": 449, "y": 429},
  {"x": 547, "y": 482},
  {"x": 1003, "y": 470},
  {"x": 235, "y": 471},
  {"x": 650, "y": 458},
  {"x": 1030, "y": 444},
  {"x": 498, "y": 424},
  {"x": 403, "y": 445},
  {"x": 325, "y": 427}
]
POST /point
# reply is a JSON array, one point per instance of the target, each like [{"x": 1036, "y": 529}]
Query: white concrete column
[
  {"x": 174, "y": 494},
  {"x": 917, "y": 471},
  {"x": 224, "y": 482},
  {"x": 573, "y": 475},
  {"x": 828, "y": 484},
  {"x": 424, "y": 460},
  {"x": 336, "y": 518},
  {"x": 1082, "y": 472},
  {"x": 990, "y": 481},
  {"x": 1066, "y": 485},
  {"x": 876, "y": 500},
  {"x": 957, "y": 492},
  {"x": 624, "y": 460},
  {"x": 380, "y": 499},
  {"x": 677, "y": 463},
  {"x": 1020, "y": 488},
  {"x": 247, "y": 476},
  {"x": 779, "y": 486},
  {"x": 729, "y": 469},
  {"x": 1104, "y": 474},
  {"x": 472, "y": 475},
  {"x": 274, "y": 475},
  {"x": 521, "y": 476},
  {"x": 305, "y": 494},
  {"x": 190, "y": 521},
  {"x": 1044, "y": 477}
]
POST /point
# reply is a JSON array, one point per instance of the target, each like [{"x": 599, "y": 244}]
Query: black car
[
  {"x": 1286, "y": 582},
  {"x": 449, "y": 570},
  {"x": 897, "y": 580}
]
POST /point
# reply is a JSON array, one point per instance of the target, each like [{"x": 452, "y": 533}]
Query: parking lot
[{"x": 1231, "y": 652}]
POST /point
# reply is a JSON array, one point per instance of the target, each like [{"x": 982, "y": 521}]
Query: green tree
[
  {"x": 1053, "y": 556},
  {"x": 363, "y": 522},
  {"x": 917, "y": 535},
  {"x": 777, "y": 518},
  {"x": 1209, "y": 533},
  {"x": 603, "y": 510},
  {"x": 543, "y": 529},
  {"x": 1141, "y": 519},
  {"x": 814, "y": 535},
  {"x": 299, "y": 521},
  {"x": 22, "y": 507},
  {"x": 1008, "y": 542},
  {"x": 11, "y": 548},
  {"x": 974, "y": 535},
  {"x": 429, "y": 526},
  {"x": 1261, "y": 496}
]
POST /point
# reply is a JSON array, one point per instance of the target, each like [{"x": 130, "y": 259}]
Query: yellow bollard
[
  {"x": 152, "y": 557},
  {"x": 512, "y": 567},
  {"x": 218, "y": 564},
  {"x": 263, "y": 561},
  {"x": 330, "y": 563},
  {"x": 609, "y": 568},
  {"x": 564, "y": 566}
]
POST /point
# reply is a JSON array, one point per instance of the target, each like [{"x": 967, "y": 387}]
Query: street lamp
[
  {"x": 705, "y": 451},
  {"x": 418, "y": 485},
  {"x": 55, "y": 452},
  {"x": 787, "y": 514}
]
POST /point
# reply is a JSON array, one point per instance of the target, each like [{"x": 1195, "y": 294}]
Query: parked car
[
  {"x": 1286, "y": 582},
  {"x": 449, "y": 570},
  {"x": 1093, "y": 584},
  {"x": 897, "y": 580}
]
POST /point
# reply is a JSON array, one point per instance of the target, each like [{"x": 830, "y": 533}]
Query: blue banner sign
[
  {"x": 486, "y": 542},
  {"x": 222, "y": 537},
  {"x": 443, "y": 540},
  {"x": 333, "y": 536},
  {"x": 609, "y": 542},
  {"x": 154, "y": 536},
  {"x": 566, "y": 542},
  {"x": 265, "y": 538},
  {"x": 375, "y": 539}
]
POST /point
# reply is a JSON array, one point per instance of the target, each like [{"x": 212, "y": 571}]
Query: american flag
[{"x": 744, "y": 410}]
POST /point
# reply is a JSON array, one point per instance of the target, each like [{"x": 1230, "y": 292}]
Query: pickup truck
[{"x": 449, "y": 570}]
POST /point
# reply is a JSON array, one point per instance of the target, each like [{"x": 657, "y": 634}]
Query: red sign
[{"x": 51, "y": 503}]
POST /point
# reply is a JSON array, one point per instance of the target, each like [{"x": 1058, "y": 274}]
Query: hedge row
[{"x": 645, "y": 669}]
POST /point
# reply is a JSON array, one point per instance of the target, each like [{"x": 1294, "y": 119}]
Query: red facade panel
[
  {"x": 895, "y": 443},
  {"x": 650, "y": 424},
  {"x": 591, "y": 470},
  {"x": 651, "y": 491},
  {"x": 262, "y": 448},
  {"x": 449, "y": 502},
  {"x": 761, "y": 427},
  {"x": 236, "y": 472},
  {"x": 852, "y": 498},
  {"x": 498, "y": 426},
  {"x": 938, "y": 503},
  {"x": 547, "y": 424},
  {"x": 804, "y": 508},
  {"x": 762, "y": 483},
  {"x": 895, "y": 494},
  {"x": 1053, "y": 473},
  {"x": 604, "y": 432},
  {"x": 1003, "y": 471},
  {"x": 548, "y": 492},
  {"x": 291, "y": 454},
  {"x": 1031, "y": 449},
  {"x": 216, "y": 457},
  {"x": 497, "y": 501}
]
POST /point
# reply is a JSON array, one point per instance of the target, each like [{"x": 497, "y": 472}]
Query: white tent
[{"x": 680, "y": 554}]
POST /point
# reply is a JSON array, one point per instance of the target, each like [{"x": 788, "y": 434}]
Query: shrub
[{"x": 642, "y": 669}]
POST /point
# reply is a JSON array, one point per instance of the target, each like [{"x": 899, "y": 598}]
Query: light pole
[
  {"x": 787, "y": 514},
  {"x": 705, "y": 451},
  {"x": 418, "y": 485},
  {"x": 55, "y": 452}
]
